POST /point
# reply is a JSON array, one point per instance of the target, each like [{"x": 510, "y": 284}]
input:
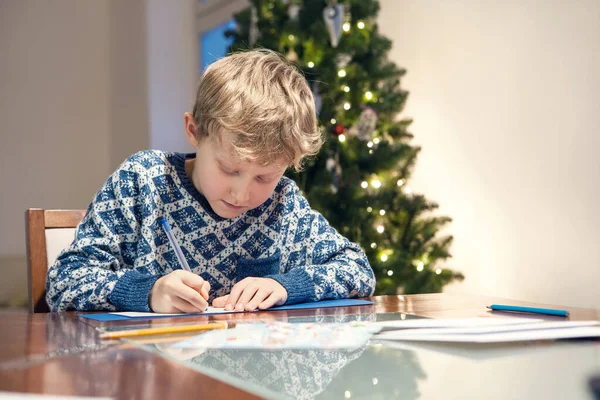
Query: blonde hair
[{"x": 265, "y": 101}]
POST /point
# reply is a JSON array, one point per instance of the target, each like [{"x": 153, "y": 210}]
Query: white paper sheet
[
  {"x": 277, "y": 335},
  {"x": 209, "y": 310},
  {"x": 514, "y": 333},
  {"x": 496, "y": 328},
  {"x": 454, "y": 322}
]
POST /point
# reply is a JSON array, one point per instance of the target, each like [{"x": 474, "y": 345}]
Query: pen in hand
[
  {"x": 175, "y": 245},
  {"x": 179, "y": 253}
]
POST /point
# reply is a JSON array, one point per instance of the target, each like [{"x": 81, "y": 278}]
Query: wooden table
[{"x": 62, "y": 354}]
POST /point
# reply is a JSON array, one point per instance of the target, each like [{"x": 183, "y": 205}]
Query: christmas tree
[{"x": 360, "y": 179}]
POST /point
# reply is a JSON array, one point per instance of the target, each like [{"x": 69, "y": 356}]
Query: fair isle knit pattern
[{"x": 120, "y": 248}]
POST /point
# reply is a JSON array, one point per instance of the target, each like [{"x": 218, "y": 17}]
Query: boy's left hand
[{"x": 253, "y": 293}]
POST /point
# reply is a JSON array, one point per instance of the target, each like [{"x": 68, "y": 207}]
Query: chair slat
[
  {"x": 37, "y": 261},
  {"x": 63, "y": 218}
]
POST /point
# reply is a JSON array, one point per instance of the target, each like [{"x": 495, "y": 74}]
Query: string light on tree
[
  {"x": 346, "y": 27},
  {"x": 376, "y": 183},
  {"x": 347, "y": 106},
  {"x": 346, "y": 88},
  {"x": 373, "y": 245},
  {"x": 390, "y": 272},
  {"x": 360, "y": 25},
  {"x": 420, "y": 266},
  {"x": 376, "y": 140},
  {"x": 292, "y": 38},
  {"x": 400, "y": 182},
  {"x": 311, "y": 64},
  {"x": 342, "y": 138},
  {"x": 365, "y": 185},
  {"x": 380, "y": 229},
  {"x": 333, "y": 121},
  {"x": 382, "y": 212},
  {"x": 438, "y": 271},
  {"x": 369, "y": 209},
  {"x": 383, "y": 258},
  {"x": 342, "y": 73},
  {"x": 370, "y": 144},
  {"x": 368, "y": 95},
  {"x": 408, "y": 190}
]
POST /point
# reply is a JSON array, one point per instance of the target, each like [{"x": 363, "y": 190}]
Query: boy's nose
[{"x": 240, "y": 194}]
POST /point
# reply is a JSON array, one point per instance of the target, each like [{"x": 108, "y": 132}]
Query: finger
[
  {"x": 236, "y": 291},
  {"x": 192, "y": 297},
  {"x": 192, "y": 280},
  {"x": 205, "y": 290},
  {"x": 220, "y": 302},
  {"x": 247, "y": 295},
  {"x": 269, "y": 302},
  {"x": 258, "y": 298},
  {"x": 184, "y": 307}
]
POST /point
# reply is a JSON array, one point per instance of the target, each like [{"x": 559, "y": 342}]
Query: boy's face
[{"x": 231, "y": 186}]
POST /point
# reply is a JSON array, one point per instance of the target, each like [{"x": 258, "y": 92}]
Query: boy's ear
[{"x": 191, "y": 129}]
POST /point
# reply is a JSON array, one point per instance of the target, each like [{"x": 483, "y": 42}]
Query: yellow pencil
[{"x": 167, "y": 329}]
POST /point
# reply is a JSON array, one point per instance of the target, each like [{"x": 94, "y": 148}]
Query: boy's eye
[
  {"x": 228, "y": 172},
  {"x": 264, "y": 179}
]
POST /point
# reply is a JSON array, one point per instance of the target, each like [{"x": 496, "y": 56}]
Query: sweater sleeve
[
  {"x": 96, "y": 271},
  {"x": 321, "y": 264}
]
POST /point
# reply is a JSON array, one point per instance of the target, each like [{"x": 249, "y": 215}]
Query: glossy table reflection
[{"x": 61, "y": 354}]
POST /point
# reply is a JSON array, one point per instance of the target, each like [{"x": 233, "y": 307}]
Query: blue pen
[
  {"x": 532, "y": 310},
  {"x": 175, "y": 245}
]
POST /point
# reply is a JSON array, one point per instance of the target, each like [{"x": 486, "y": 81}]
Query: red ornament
[{"x": 338, "y": 129}]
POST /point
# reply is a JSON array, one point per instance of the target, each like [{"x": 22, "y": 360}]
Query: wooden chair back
[{"x": 48, "y": 232}]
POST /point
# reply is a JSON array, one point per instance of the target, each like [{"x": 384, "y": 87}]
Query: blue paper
[{"x": 318, "y": 304}]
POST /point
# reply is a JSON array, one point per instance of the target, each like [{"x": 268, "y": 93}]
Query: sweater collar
[{"x": 178, "y": 161}]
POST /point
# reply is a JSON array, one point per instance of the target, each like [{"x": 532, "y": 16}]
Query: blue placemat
[{"x": 317, "y": 304}]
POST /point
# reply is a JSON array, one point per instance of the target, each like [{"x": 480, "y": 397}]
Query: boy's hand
[
  {"x": 180, "y": 291},
  {"x": 252, "y": 293}
]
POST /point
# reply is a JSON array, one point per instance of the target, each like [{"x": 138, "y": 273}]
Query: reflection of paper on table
[
  {"x": 209, "y": 310},
  {"x": 283, "y": 335},
  {"x": 500, "y": 333},
  {"x": 454, "y": 322}
]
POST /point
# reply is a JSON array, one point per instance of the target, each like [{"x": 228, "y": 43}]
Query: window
[{"x": 214, "y": 44}]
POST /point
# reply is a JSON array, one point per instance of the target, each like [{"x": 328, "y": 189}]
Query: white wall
[
  {"x": 505, "y": 97},
  {"x": 78, "y": 83},
  {"x": 128, "y": 40},
  {"x": 173, "y": 66},
  {"x": 54, "y": 116}
]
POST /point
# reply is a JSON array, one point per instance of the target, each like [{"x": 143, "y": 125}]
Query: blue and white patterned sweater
[{"x": 120, "y": 248}]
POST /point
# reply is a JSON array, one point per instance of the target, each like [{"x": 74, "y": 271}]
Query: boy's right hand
[{"x": 179, "y": 292}]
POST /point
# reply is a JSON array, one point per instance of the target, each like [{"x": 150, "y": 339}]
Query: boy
[{"x": 251, "y": 240}]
